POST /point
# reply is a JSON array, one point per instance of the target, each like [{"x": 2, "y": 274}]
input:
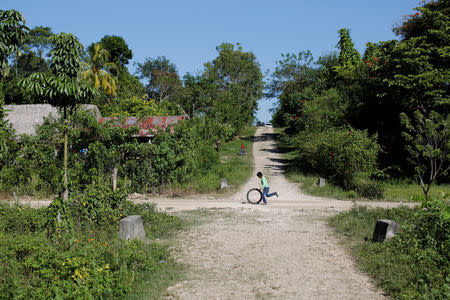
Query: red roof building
[{"x": 148, "y": 125}]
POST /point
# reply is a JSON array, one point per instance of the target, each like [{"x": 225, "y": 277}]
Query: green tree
[
  {"x": 129, "y": 85},
  {"x": 13, "y": 33},
  {"x": 348, "y": 56},
  {"x": 294, "y": 83},
  {"x": 238, "y": 84},
  {"x": 39, "y": 39},
  {"x": 404, "y": 76},
  {"x": 429, "y": 147},
  {"x": 163, "y": 81},
  {"x": 144, "y": 70},
  {"x": 197, "y": 95},
  {"x": 26, "y": 63},
  {"x": 63, "y": 87},
  {"x": 118, "y": 50},
  {"x": 416, "y": 69},
  {"x": 99, "y": 71}
]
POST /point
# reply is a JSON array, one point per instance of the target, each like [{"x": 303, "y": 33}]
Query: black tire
[{"x": 254, "y": 196}]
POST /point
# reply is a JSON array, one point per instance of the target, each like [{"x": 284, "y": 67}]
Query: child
[{"x": 265, "y": 188}]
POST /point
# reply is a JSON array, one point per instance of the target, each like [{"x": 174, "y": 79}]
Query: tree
[
  {"x": 144, "y": 70},
  {"x": 39, "y": 39},
  {"x": 348, "y": 56},
  {"x": 164, "y": 85},
  {"x": 293, "y": 83},
  {"x": 119, "y": 53},
  {"x": 404, "y": 76},
  {"x": 62, "y": 87},
  {"x": 98, "y": 70},
  {"x": 429, "y": 139},
  {"x": 13, "y": 33},
  {"x": 415, "y": 70},
  {"x": 238, "y": 84},
  {"x": 163, "y": 81},
  {"x": 129, "y": 85},
  {"x": 197, "y": 94}
]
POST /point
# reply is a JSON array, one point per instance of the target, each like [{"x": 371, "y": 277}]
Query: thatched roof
[{"x": 25, "y": 118}]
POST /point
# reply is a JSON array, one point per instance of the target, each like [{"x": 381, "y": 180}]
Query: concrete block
[
  {"x": 384, "y": 230},
  {"x": 223, "y": 183},
  {"x": 321, "y": 182},
  {"x": 132, "y": 227}
]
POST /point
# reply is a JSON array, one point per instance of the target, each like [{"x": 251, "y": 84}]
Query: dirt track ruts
[{"x": 284, "y": 250}]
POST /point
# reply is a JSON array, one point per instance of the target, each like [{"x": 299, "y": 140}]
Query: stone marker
[
  {"x": 321, "y": 182},
  {"x": 223, "y": 183},
  {"x": 242, "y": 152},
  {"x": 132, "y": 227},
  {"x": 384, "y": 230}
]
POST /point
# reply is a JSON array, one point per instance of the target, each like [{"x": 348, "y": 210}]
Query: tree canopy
[
  {"x": 13, "y": 33},
  {"x": 119, "y": 52}
]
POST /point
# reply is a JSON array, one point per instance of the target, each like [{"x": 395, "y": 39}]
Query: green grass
[
  {"x": 405, "y": 192},
  {"x": 395, "y": 192},
  {"x": 412, "y": 265},
  {"x": 236, "y": 168},
  {"x": 308, "y": 183},
  {"x": 87, "y": 262}
]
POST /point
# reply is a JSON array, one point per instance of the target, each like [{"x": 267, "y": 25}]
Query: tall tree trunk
[
  {"x": 66, "y": 179},
  {"x": 114, "y": 177}
]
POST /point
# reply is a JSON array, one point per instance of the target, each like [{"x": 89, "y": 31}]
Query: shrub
[
  {"x": 87, "y": 260},
  {"x": 141, "y": 106},
  {"x": 414, "y": 264},
  {"x": 346, "y": 156},
  {"x": 17, "y": 218}
]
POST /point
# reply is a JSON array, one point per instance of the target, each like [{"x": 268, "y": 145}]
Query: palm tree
[{"x": 99, "y": 71}]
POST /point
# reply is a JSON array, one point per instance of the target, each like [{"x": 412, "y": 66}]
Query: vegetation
[
  {"x": 232, "y": 166},
  {"x": 62, "y": 87},
  {"x": 368, "y": 96},
  {"x": 177, "y": 156},
  {"x": 98, "y": 69},
  {"x": 415, "y": 263},
  {"x": 398, "y": 191},
  {"x": 364, "y": 122},
  {"x": 81, "y": 256}
]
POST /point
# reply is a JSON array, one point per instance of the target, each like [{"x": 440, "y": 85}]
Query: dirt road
[{"x": 283, "y": 250}]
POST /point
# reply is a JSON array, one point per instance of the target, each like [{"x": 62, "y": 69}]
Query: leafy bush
[
  {"x": 16, "y": 218},
  {"x": 346, "y": 157},
  {"x": 140, "y": 106},
  {"x": 175, "y": 157},
  {"x": 86, "y": 260},
  {"x": 415, "y": 264}
]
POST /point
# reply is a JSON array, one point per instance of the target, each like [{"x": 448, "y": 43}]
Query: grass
[
  {"x": 235, "y": 168},
  {"x": 308, "y": 183},
  {"x": 394, "y": 192},
  {"x": 412, "y": 265},
  {"x": 39, "y": 262},
  {"x": 405, "y": 192}
]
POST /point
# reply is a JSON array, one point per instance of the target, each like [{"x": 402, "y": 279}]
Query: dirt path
[{"x": 283, "y": 250}]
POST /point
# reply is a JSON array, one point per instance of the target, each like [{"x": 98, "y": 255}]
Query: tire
[{"x": 254, "y": 196}]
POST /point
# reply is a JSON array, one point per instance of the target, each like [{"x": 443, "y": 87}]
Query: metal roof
[{"x": 148, "y": 125}]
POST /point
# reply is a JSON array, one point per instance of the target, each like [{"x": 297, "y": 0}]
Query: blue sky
[{"x": 187, "y": 32}]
